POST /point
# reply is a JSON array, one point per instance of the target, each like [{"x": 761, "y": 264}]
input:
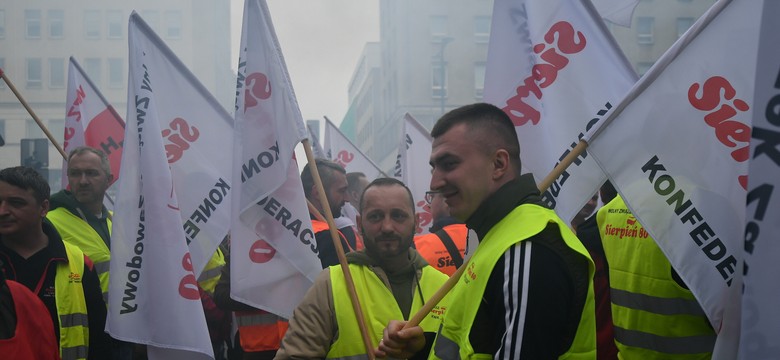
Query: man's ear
[
  {"x": 44, "y": 208},
  {"x": 501, "y": 163}
]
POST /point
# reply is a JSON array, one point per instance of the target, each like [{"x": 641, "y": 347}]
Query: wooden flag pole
[
  {"x": 32, "y": 113},
  {"x": 40, "y": 123},
  {"x": 447, "y": 286},
  {"x": 334, "y": 234}
]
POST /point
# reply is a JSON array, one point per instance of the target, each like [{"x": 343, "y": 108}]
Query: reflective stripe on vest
[
  {"x": 210, "y": 275},
  {"x": 654, "y": 317},
  {"x": 260, "y": 330},
  {"x": 523, "y": 222},
  {"x": 71, "y": 305},
  {"x": 664, "y": 344},
  {"x": 73, "y": 229},
  {"x": 379, "y": 307}
]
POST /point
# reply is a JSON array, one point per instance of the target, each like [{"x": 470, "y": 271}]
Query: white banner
[
  {"x": 90, "y": 121},
  {"x": 760, "y": 313},
  {"x": 555, "y": 69},
  {"x": 270, "y": 216},
  {"x": 413, "y": 169},
  {"x": 344, "y": 152},
  {"x": 677, "y": 150},
  {"x": 154, "y": 297},
  {"x": 618, "y": 12}
]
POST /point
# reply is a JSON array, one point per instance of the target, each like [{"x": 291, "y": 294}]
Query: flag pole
[
  {"x": 39, "y": 122},
  {"x": 32, "y": 113},
  {"x": 334, "y": 234}
]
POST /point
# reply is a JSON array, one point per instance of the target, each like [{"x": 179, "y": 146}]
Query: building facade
[
  {"x": 38, "y": 36},
  {"x": 431, "y": 58}
]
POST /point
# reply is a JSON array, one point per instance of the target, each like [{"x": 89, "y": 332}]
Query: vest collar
[{"x": 496, "y": 206}]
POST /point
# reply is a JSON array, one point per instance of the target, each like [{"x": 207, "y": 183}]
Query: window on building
[
  {"x": 92, "y": 24},
  {"x": 439, "y": 79},
  {"x": 438, "y": 26},
  {"x": 32, "y": 130},
  {"x": 115, "y": 24},
  {"x": 2, "y": 23},
  {"x": 56, "y": 23},
  {"x": 115, "y": 78},
  {"x": 173, "y": 24},
  {"x": 482, "y": 29},
  {"x": 56, "y": 72},
  {"x": 92, "y": 66},
  {"x": 57, "y": 127},
  {"x": 643, "y": 67},
  {"x": 34, "y": 73},
  {"x": 152, "y": 17},
  {"x": 32, "y": 20},
  {"x": 683, "y": 24},
  {"x": 479, "y": 80},
  {"x": 644, "y": 29}
]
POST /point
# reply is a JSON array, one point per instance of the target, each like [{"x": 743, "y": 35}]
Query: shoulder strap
[{"x": 451, "y": 247}]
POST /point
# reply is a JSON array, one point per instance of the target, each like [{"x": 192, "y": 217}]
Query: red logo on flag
[
  {"x": 717, "y": 92},
  {"x": 188, "y": 286},
  {"x": 179, "y": 136},
  {"x": 344, "y": 157},
  {"x": 261, "y": 252}
]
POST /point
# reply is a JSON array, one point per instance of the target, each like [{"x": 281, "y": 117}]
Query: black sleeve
[
  {"x": 99, "y": 340},
  {"x": 327, "y": 252},
  {"x": 527, "y": 306},
  {"x": 7, "y": 311}
]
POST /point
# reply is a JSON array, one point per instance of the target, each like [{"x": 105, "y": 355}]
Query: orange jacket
[{"x": 431, "y": 247}]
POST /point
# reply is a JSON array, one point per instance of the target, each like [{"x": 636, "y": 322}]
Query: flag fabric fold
[
  {"x": 273, "y": 250},
  {"x": 555, "y": 69},
  {"x": 677, "y": 149},
  {"x": 154, "y": 297},
  {"x": 760, "y": 315},
  {"x": 342, "y": 151},
  {"x": 617, "y": 12},
  {"x": 413, "y": 169},
  {"x": 90, "y": 120}
]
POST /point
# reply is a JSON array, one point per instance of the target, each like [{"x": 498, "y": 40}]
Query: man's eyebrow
[{"x": 440, "y": 158}]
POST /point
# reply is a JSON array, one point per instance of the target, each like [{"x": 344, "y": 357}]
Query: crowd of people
[{"x": 531, "y": 288}]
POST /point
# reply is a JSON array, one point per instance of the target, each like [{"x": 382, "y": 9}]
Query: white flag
[
  {"x": 90, "y": 120},
  {"x": 413, "y": 169},
  {"x": 677, "y": 151},
  {"x": 154, "y": 297},
  {"x": 273, "y": 250},
  {"x": 618, "y": 12},
  {"x": 760, "y": 314},
  {"x": 554, "y": 68},
  {"x": 344, "y": 152}
]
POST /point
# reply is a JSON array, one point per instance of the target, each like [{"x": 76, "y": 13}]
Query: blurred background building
[
  {"x": 38, "y": 36},
  {"x": 431, "y": 58}
]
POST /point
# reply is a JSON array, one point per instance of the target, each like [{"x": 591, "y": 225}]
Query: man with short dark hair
[
  {"x": 334, "y": 182},
  {"x": 390, "y": 277},
  {"x": 59, "y": 273},
  {"x": 527, "y": 292}
]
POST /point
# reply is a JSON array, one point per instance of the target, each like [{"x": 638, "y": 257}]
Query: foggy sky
[{"x": 321, "y": 41}]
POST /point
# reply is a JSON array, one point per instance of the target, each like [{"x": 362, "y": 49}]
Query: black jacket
[{"x": 552, "y": 290}]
